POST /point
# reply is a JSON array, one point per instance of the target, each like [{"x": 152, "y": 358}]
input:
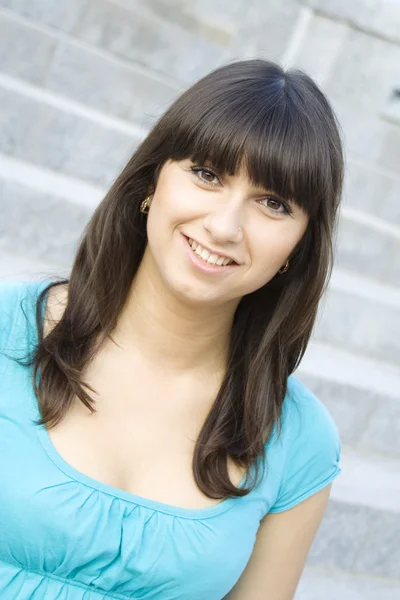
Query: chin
[{"x": 191, "y": 292}]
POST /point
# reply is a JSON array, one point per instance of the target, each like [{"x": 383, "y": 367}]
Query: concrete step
[
  {"x": 352, "y": 305},
  {"x": 215, "y": 21},
  {"x": 365, "y": 182},
  {"x": 369, "y": 245},
  {"x": 362, "y": 315},
  {"x": 331, "y": 584},
  {"x": 137, "y": 36},
  {"x": 361, "y": 527},
  {"x": 81, "y": 72},
  {"x": 379, "y": 18},
  {"x": 47, "y": 130},
  {"x": 340, "y": 365},
  {"x": 368, "y": 480},
  {"x": 367, "y": 420},
  {"x": 362, "y": 395}
]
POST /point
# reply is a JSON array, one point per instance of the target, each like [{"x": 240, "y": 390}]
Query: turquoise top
[{"x": 66, "y": 536}]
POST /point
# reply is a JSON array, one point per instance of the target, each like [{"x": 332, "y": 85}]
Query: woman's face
[{"x": 208, "y": 209}]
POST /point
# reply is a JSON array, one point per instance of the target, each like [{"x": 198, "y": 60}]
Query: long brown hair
[{"x": 284, "y": 129}]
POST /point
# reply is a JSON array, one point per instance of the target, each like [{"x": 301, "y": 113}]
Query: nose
[{"x": 224, "y": 225}]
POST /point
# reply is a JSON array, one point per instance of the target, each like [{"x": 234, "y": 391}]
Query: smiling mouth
[{"x": 209, "y": 257}]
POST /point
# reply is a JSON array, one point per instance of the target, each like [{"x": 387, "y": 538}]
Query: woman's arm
[{"x": 280, "y": 552}]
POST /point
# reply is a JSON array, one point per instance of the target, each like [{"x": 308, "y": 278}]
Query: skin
[{"x": 179, "y": 317}]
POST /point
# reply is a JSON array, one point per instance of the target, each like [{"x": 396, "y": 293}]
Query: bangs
[{"x": 273, "y": 139}]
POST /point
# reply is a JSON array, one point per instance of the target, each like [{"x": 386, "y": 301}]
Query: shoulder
[
  {"x": 305, "y": 415},
  {"x": 17, "y": 318},
  {"x": 310, "y": 445},
  {"x": 12, "y": 294},
  {"x": 18, "y": 304}
]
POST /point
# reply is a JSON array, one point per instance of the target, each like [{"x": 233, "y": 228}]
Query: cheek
[
  {"x": 269, "y": 253},
  {"x": 174, "y": 205}
]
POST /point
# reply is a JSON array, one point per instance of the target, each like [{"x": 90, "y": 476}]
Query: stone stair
[{"x": 81, "y": 82}]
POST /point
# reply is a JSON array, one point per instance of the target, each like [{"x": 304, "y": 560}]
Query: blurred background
[{"x": 81, "y": 83}]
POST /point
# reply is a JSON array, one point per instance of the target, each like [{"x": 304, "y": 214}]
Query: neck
[{"x": 175, "y": 335}]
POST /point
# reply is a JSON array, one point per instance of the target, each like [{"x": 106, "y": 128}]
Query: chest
[
  {"x": 62, "y": 532},
  {"x": 141, "y": 439}
]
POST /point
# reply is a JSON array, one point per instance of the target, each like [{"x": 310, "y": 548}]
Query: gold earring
[
  {"x": 284, "y": 268},
  {"x": 145, "y": 205}
]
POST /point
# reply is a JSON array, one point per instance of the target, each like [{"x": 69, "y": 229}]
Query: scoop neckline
[{"x": 115, "y": 492}]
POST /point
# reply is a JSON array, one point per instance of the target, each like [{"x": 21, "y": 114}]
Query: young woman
[{"x": 154, "y": 443}]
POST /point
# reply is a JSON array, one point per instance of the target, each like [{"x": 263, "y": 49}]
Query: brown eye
[
  {"x": 200, "y": 170},
  {"x": 281, "y": 207},
  {"x": 275, "y": 202}
]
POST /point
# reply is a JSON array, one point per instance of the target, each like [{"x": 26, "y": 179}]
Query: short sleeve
[
  {"x": 10, "y": 294},
  {"x": 17, "y": 316},
  {"x": 312, "y": 449}
]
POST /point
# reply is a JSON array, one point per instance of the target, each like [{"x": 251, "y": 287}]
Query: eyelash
[{"x": 196, "y": 170}]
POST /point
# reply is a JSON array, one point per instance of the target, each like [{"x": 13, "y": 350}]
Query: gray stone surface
[
  {"x": 380, "y": 553},
  {"x": 359, "y": 82},
  {"x": 224, "y": 13},
  {"x": 391, "y": 109},
  {"x": 320, "y": 47},
  {"x": 316, "y": 584},
  {"x": 368, "y": 252},
  {"x": 62, "y": 14},
  {"x": 172, "y": 51},
  {"x": 390, "y": 150},
  {"x": 369, "y": 138},
  {"x": 359, "y": 539},
  {"x": 45, "y": 236},
  {"x": 366, "y": 420},
  {"x": 359, "y": 324},
  {"x": 217, "y": 21},
  {"x": 24, "y": 52},
  {"x": 81, "y": 74},
  {"x": 18, "y": 117},
  {"x": 110, "y": 87},
  {"x": 382, "y": 432},
  {"x": 372, "y": 192},
  {"x": 364, "y": 132},
  {"x": 341, "y": 536},
  {"x": 265, "y": 28},
  {"x": 61, "y": 141},
  {"x": 380, "y": 17}
]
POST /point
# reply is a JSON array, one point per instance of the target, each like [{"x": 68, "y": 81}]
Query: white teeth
[{"x": 212, "y": 259}]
